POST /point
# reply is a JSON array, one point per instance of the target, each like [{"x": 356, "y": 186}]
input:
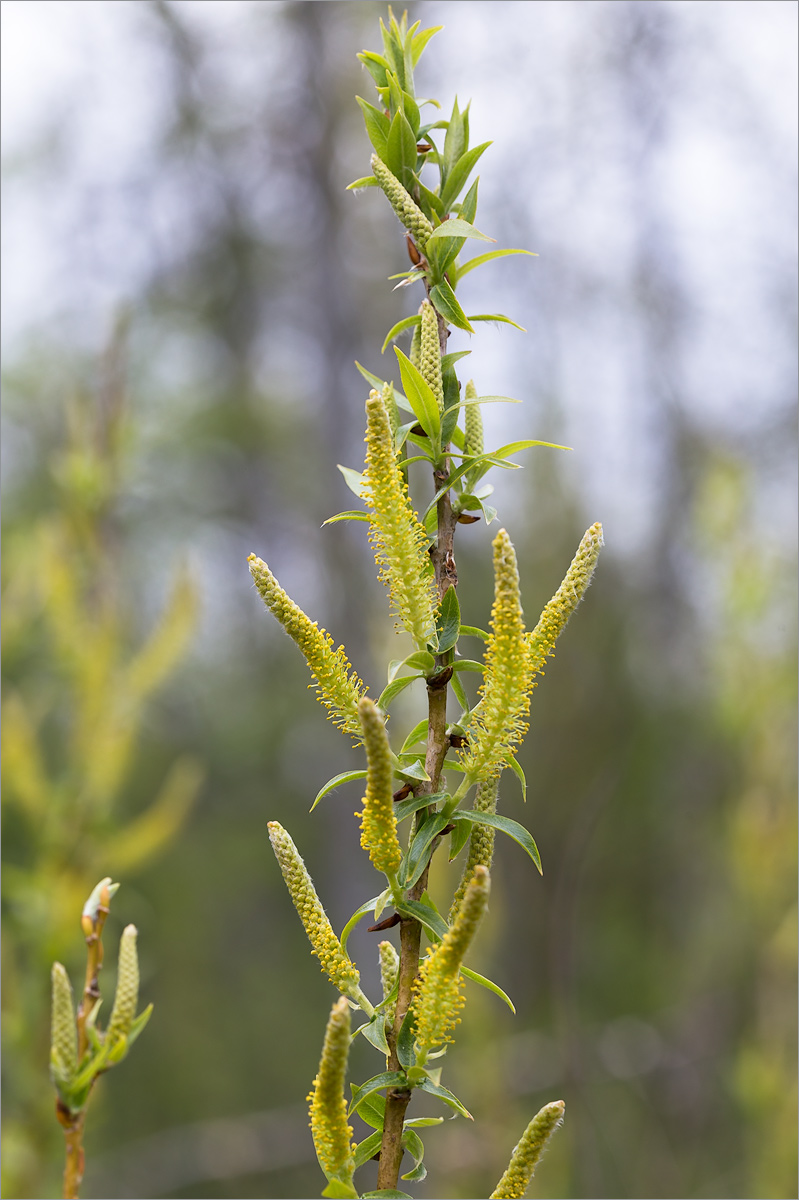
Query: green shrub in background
[
  {"x": 444, "y": 778},
  {"x": 77, "y": 686}
]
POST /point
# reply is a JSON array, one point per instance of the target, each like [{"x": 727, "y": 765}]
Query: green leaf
[
  {"x": 458, "y": 839},
  {"x": 375, "y": 1032},
  {"x": 433, "y": 922},
  {"x": 515, "y": 766},
  {"x": 371, "y": 1109},
  {"x": 445, "y": 302},
  {"x": 420, "y": 660},
  {"x": 368, "y": 1148},
  {"x": 338, "y": 1190},
  {"x": 473, "y": 631},
  {"x": 385, "y": 1080},
  {"x": 457, "y": 688},
  {"x": 359, "y": 913},
  {"x": 467, "y": 664},
  {"x": 378, "y": 384},
  {"x": 404, "y": 808},
  {"x": 377, "y": 126},
  {"x": 354, "y": 480},
  {"x": 497, "y": 317},
  {"x": 512, "y": 828},
  {"x": 400, "y": 327},
  {"x": 459, "y": 173},
  {"x": 423, "y": 1122},
  {"x": 401, "y": 150},
  {"x": 419, "y": 850},
  {"x": 433, "y": 1089},
  {"x": 364, "y": 182},
  {"x": 336, "y": 781},
  {"x": 352, "y": 514},
  {"x": 488, "y": 983},
  {"x": 465, "y": 268},
  {"x": 413, "y": 772},
  {"x": 417, "y": 734},
  {"x": 405, "y": 1041},
  {"x": 448, "y": 620},
  {"x": 488, "y": 400},
  {"x": 456, "y": 141},
  {"x": 415, "y": 1146},
  {"x": 394, "y": 689},
  {"x": 420, "y": 395},
  {"x": 376, "y": 65},
  {"x": 455, "y": 227},
  {"x": 420, "y": 41},
  {"x": 386, "y": 1194},
  {"x": 468, "y": 209}
]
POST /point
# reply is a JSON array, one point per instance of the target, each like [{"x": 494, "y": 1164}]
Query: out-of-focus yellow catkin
[
  {"x": 499, "y": 723},
  {"x": 389, "y": 967},
  {"x": 403, "y": 203},
  {"x": 340, "y": 970},
  {"x": 64, "y": 1033},
  {"x": 332, "y": 1136},
  {"x": 126, "y": 997},
  {"x": 378, "y": 819},
  {"x": 430, "y": 353},
  {"x": 398, "y": 538},
  {"x": 527, "y": 1153},
  {"x": 481, "y": 841},
  {"x": 553, "y": 620},
  {"x": 438, "y": 999},
  {"x": 337, "y": 683}
]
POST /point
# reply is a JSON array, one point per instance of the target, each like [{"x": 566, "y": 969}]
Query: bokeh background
[{"x": 187, "y": 285}]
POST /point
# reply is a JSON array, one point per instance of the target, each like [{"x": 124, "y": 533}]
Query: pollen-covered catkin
[
  {"x": 526, "y": 1155},
  {"x": 378, "y": 819},
  {"x": 500, "y": 721},
  {"x": 398, "y": 539},
  {"x": 337, "y": 683},
  {"x": 332, "y": 1136},
  {"x": 340, "y": 970},
  {"x": 438, "y": 999},
  {"x": 554, "y": 618}
]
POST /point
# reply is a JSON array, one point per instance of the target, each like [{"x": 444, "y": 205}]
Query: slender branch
[{"x": 397, "y": 1100}]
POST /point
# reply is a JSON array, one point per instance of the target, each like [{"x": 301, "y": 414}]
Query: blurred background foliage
[{"x": 190, "y": 285}]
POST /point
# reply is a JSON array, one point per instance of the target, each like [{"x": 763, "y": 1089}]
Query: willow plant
[
  {"x": 444, "y": 777},
  {"x": 80, "y": 1052}
]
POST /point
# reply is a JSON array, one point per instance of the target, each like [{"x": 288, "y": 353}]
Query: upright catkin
[
  {"x": 526, "y": 1155},
  {"x": 332, "y": 1136}
]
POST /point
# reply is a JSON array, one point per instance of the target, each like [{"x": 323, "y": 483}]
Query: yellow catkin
[
  {"x": 430, "y": 353},
  {"x": 64, "y": 1034},
  {"x": 332, "y": 1136},
  {"x": 340, "y": 970},
  {"x": 527, "y": 1153},
  {"x": 126, "y": 997},
  {"x": 398, "y": 539},
  {"x": 403, "y": 203},
  {"x": 541, "y": 640},
  {"x": 481, "y": 841},
  {"x": 438, "y": 998},
  {"x": 378, "y": 818},
  {"x": 338, "y": 685},
  {"x": 500, "y": 721},
  {"x": 389, "y": 967}
]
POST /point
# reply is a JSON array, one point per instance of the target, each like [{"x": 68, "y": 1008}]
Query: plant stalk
[{"x": 397, "y": 1099}]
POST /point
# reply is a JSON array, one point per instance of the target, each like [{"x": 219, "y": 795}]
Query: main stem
[{"x": 397, "y": 1099}]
